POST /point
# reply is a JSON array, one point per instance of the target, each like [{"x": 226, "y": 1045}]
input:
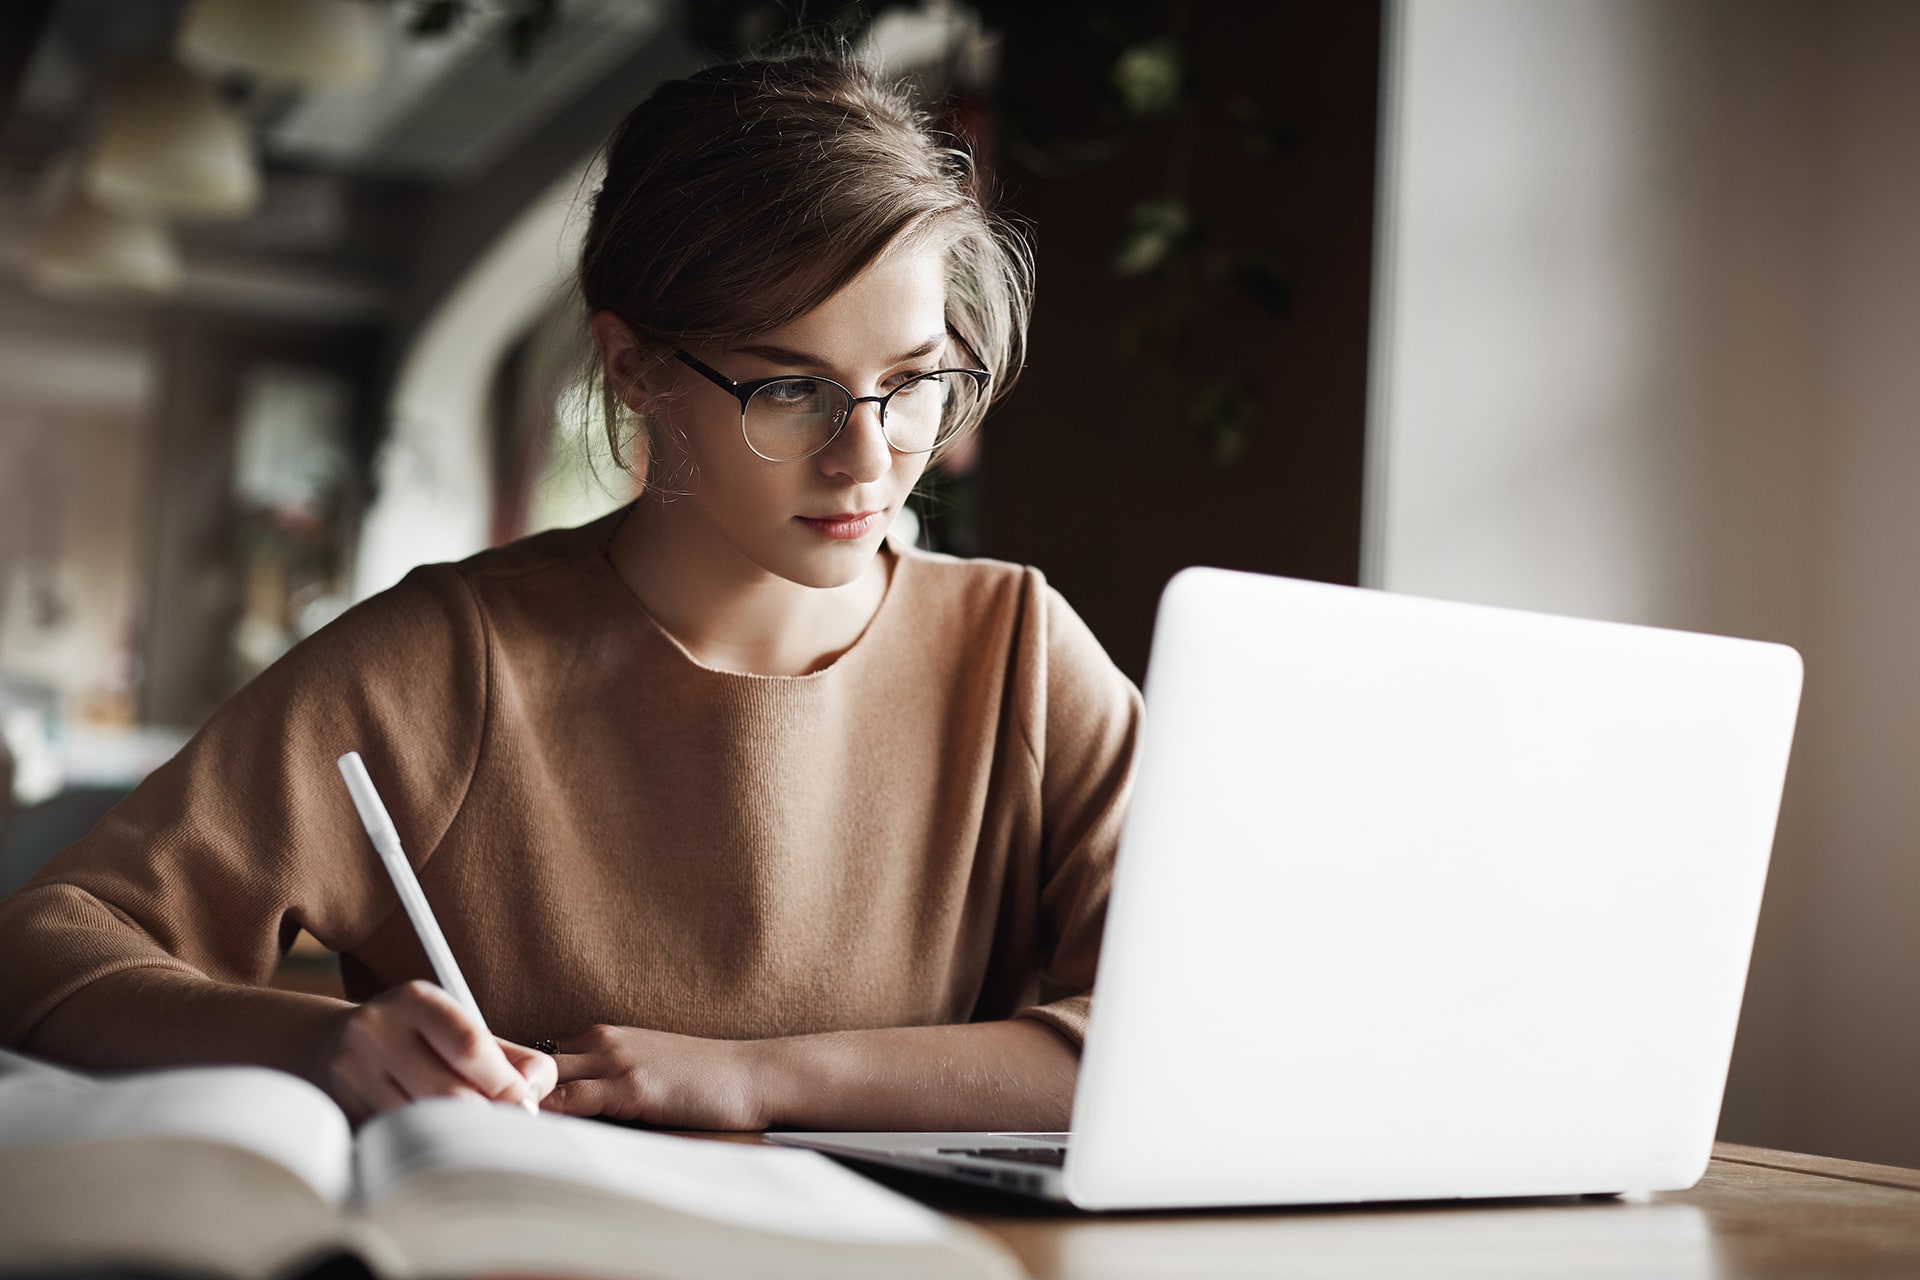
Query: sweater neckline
[{"x": 870, "y": 635}]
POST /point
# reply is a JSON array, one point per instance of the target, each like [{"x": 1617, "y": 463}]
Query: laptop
[{"x": 1415, "y": 900}]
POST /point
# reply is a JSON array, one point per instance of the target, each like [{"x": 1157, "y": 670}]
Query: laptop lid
[{"x": 1418, "y": 899}]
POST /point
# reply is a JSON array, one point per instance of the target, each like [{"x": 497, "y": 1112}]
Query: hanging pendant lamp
[
  {"x": 314, "y": 43},
  {"x": 87, "y": 251},
  {"x": 169, "y": 148}
]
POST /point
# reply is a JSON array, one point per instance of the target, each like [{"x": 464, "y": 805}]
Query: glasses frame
[{"x": 744, "y": 392}]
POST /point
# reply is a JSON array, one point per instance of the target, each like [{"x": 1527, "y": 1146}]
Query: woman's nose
[{"x": 860, "y": 452}]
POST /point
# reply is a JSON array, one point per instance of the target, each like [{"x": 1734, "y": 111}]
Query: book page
[
  {"x": 774, "y": 1189},
  {"x": 269, "y": 1113},
  {"x": 19, "y": 1064}
]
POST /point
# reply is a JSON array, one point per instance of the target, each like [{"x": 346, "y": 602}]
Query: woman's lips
[{"x": 846, "y": 526}]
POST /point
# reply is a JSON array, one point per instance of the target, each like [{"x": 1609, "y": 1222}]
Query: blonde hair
[{"x": 741, "y": 198}]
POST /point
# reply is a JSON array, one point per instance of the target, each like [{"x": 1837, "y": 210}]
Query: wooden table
[{"x": 1756, "y": 1213}]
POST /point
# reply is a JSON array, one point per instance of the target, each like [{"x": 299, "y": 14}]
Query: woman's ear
[{"x": 620, "y": 357}]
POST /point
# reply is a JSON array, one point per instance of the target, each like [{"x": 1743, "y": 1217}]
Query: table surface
[{"x": 1755, "y": 1213}]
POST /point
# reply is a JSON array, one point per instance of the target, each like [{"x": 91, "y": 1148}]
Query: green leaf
[
  {"x": 1149, "y": 77},
  {"x": 1225, "y": 409},
  {"x": 1156, "y": 232}
]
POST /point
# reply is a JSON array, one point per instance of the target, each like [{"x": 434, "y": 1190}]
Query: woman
[{"x": 759, "y": 820}]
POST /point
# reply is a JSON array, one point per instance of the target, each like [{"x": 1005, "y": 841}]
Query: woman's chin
[{"x": 835, "y": 565}]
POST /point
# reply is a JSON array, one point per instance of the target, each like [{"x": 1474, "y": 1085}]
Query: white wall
[
  {"x": 434, "y": 496},
  {"x": 1648, "y": 348}
]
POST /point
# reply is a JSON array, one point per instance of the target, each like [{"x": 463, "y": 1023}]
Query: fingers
[
  {"x": 424, "y": 1075},
  {"x": 599, "y": 1039},
  {"x": 574, "y": 1098},
  {"x": 615, "y": 1098},
  {"x": 381, "y": 1093},
  {"x": 596, "y": 1075},
  {"x": 579, "y": 1089},
  {"x": 658, "y": 1078},
  {"x": 573, "y": 1066},
  {"x": 538, "y": 1069},
  {"x": 415, "y": 1041},
  {"x": 467, "y": 1050}
]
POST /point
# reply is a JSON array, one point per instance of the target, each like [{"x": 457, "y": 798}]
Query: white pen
[{"x": 386, "y": 842}]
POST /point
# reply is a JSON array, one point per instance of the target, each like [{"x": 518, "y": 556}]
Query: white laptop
[{"x": 1415, "y": 900}]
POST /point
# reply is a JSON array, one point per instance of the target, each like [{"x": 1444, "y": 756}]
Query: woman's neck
[{"x": 728, "y": 612}]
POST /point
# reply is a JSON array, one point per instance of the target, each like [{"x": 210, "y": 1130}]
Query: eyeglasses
[{"x": 786, "y": 419}]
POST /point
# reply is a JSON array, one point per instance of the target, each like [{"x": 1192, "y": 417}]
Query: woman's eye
[
  {"x": 913, "y": 383},
  {"x": 792, "y": 391}
]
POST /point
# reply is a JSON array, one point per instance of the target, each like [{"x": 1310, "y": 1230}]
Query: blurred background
[{"x": 1603, "y": 307}]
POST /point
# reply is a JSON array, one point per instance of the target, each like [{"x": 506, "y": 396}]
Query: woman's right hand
[{"x": 413, "y": 1041}]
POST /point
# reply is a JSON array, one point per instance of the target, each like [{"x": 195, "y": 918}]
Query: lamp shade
[
  {"x": 169, "y": 148},
  {"x": 316, "y": 43},
  {"x": 84, "y": 251}
]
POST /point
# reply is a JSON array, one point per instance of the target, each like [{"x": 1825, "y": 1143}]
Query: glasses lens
[
  {"x": 794, "y": 417},
  {"x": 926, "y": 410}
]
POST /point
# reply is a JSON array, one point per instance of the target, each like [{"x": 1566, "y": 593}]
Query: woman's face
[{"x": 817, "y": 520}]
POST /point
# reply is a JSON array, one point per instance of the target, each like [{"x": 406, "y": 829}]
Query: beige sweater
[{"x": 921, "y": 833}]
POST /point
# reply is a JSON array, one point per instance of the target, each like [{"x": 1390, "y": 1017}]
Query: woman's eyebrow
[
  {"x": 926, "y": 348},
  {"x": 807, "y": 360}
]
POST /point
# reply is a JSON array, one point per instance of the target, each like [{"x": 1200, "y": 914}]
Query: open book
[{"x": 244, "y": 1171}]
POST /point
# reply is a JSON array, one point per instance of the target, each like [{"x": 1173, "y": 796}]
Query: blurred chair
[{"x": 30, "y": 836}]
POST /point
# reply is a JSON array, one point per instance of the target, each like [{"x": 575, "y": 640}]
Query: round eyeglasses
[{"x": 786, "y": 419}]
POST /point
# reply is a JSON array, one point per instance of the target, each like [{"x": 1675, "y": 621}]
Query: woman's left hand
[{"x": 659, "y": 1078}]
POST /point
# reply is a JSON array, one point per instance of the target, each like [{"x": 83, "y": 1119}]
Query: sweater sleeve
[
  {"x": 213, "y": 864},
  {"x": 1089, "y": 734}
]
